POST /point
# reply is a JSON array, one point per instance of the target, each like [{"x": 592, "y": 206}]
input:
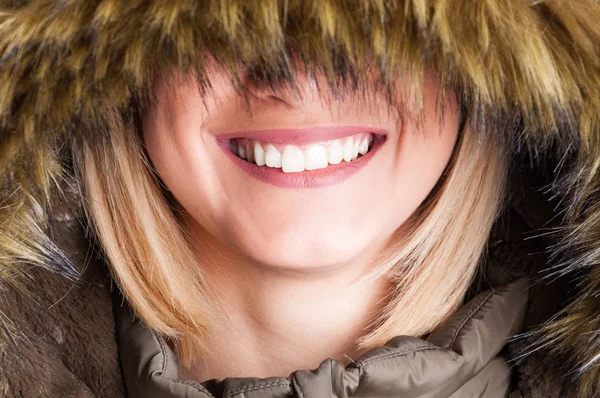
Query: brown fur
[
  {"x": 527, "y": 70},
  {"x": 57, "y": 332}
]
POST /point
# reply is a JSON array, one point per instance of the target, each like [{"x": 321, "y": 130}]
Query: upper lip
[{"x": 300, "y": 136}]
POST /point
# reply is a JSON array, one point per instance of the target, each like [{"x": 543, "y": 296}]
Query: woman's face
[{"x": 344, "y": 208}]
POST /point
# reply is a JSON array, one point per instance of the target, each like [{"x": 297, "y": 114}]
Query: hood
[{"x": 528, "y": 71}]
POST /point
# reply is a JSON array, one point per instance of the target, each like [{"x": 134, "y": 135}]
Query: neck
[{"x": 275, "y": 321}]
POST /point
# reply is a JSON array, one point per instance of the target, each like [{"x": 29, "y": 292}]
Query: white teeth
[
  {"x": 259, "y": 154},
  {"x": 348, "y": 149},
  {"x": 355, "y": 150},
  {"x": 315, "y": 157},
  {"x": 272, "y": 156},
  {"x": 249, "y": 153},
  {"x": 363, "y": 148},
  {"x": 241, "y": 151},
  {"x": 292, "y": 159},
  {"x": 335, "y": 152}
]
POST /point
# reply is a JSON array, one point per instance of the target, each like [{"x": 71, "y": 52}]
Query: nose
[{"x": 304, "y": 91}]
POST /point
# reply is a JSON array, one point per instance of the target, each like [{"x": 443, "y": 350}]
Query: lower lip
[{"x": 330, "y": 175}]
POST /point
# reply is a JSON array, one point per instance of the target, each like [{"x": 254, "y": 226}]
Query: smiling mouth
[
  {"x": 292, "y": 158},
  {"x": 303, "y": 158}
]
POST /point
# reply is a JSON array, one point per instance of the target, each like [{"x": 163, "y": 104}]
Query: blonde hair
[{"x": 151, "y": 258}]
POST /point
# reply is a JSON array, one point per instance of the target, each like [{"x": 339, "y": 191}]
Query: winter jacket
[{"x": 528, "y": 71}]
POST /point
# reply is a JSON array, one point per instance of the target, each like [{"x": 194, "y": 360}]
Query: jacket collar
[{"x": 462, "y": 356}]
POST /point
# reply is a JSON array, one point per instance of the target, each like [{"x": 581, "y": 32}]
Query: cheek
[
  {"x": 422, "y": 154},
  {"x": 178, "y": 150}
]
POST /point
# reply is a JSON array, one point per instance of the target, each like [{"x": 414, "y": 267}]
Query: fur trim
[{"x": 527, "y": 70}]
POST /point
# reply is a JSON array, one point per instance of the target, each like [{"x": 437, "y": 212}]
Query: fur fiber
[{"x": 528, "y": 70}]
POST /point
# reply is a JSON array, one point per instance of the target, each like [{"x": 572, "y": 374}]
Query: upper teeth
[{"x": 293, "y": 158}]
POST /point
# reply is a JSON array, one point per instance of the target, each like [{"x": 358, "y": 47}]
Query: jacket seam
[
  {"x": 474, "y": 309},
  {"x": 196, "y": 385},
  {"x": 257, "y": 387},
  {"x": 163, "y": 352},
  {"x": 396, "y": 354}
]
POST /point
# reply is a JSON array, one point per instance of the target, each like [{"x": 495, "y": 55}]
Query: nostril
[
  {"x": 279, "y": 101},
  {"x": 280, "y": 92}
]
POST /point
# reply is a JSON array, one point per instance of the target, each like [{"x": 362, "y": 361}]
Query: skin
[{"x": 283, "y": 261}]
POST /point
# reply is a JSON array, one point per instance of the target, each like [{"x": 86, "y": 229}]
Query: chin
[{"x": 296, "y": 252}]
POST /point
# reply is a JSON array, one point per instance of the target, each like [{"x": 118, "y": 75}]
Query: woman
[{"x": 209, "y": 199}]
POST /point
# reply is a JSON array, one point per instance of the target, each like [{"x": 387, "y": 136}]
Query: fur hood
[{"x": 528, "y": 71}]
